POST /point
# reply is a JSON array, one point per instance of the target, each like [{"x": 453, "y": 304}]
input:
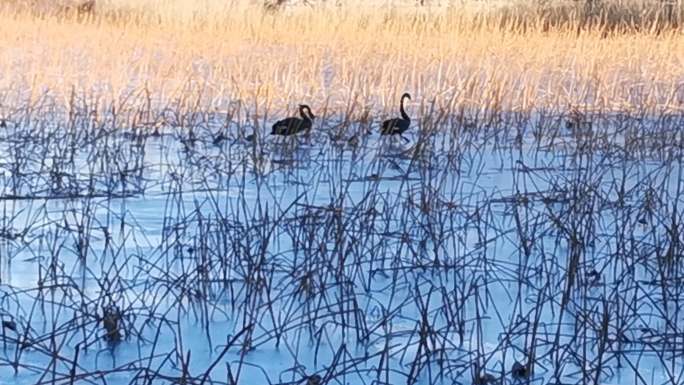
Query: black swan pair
[{"x": 293, "y": 125}]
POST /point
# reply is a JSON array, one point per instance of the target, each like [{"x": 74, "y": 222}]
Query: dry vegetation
[
  {"x": 528, "y": 232},
  {"x": 517, "y": 57}
]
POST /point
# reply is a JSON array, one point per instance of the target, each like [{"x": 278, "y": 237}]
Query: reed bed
[
  {"x": 530, "y": 231},
  {"x": 457, "y": 57}
]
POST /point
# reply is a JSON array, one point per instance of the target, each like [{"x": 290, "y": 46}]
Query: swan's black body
[
  {"x": 292, "y": 126},
  {"x": 397, "y": 126}
]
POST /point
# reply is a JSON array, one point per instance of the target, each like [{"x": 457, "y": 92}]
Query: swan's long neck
[{"x": 401, "y": 109}]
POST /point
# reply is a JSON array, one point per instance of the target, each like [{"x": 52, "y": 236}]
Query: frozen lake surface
[{"x": 501, "y": 251}]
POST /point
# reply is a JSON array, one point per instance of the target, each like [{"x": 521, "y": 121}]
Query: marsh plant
[{"x": 526, "y": 229}]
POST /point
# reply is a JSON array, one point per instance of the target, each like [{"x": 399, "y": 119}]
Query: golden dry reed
[{"x": 204, "y": 54}]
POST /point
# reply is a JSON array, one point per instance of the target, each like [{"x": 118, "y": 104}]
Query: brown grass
[{"x": 514, "y": 57}]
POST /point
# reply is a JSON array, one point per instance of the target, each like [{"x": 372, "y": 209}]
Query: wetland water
[{"x": 193, "y": 258}]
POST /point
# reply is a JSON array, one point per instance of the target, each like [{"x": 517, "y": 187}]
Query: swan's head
[
  {"x": 308, "y": 109},
  {"x": 406, "y": 95}
]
